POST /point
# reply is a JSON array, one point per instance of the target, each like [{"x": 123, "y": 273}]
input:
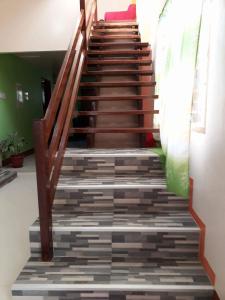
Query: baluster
[{"x": 84, "y": 27}]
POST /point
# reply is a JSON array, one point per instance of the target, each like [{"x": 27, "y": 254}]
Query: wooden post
[
  {"x": 96, "y": 12},
  {"x": 84, "y": 28},
  {"x": 45, "y": 214}
]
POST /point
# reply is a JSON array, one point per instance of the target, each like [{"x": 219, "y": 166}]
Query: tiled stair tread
[
  {"x": 118, "y": 181},
  {"x": 171, "y": 222},
  {"x": 6, "y": 176},
  {"x": 72, "y": 274},
  {"x": 142, "y": 152}
]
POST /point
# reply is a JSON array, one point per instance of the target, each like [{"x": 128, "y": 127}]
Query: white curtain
[{"x": 176, "y": 51}]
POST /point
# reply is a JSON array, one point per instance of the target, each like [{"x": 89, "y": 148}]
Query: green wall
[{"x": 15, "y": 116}]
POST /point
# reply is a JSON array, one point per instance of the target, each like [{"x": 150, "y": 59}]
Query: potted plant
[
  {"x": 14, "y": 146},
  {"x": 3, "y": 149}
]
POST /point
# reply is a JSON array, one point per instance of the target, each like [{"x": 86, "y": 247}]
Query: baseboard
[
  {"x": 203, "y": 259},
  {"x": 6, "y": 162}
]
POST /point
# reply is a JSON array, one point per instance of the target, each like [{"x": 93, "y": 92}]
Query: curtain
[
  {"x": 176, "y": 49},
  {"x": 200, "y": 93}
]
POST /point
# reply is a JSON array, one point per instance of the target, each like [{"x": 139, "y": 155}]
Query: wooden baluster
[
  {"x": 44, "y": 201},
  {"x": 84, "y": 28},
  {"x": 96, "y": 12}
]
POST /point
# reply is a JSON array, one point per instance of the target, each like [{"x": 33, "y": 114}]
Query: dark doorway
[{"x": 46, "y": 93}]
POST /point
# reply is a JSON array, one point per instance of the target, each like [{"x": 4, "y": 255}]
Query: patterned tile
[
  {"x": 140, "y": 152},
  {"x": 145, "y": 200},
  {"x": 6, "y": 176},
  {"x": 84, "y": 163},
  {"x": 118, "y": 234},
  {"x": 129, "y": 237},
  {"x": 106, "y": 182},
  {"x": 89, "y": 295},
  {"x": 141, "y": 222},
  {"x": 69, "y": 273}
]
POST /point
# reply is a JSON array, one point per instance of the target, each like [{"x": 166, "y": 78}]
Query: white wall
[
  {"x": 208, "y": 155},
  {"x": 43, "y": 25},
  {"x": 148, "y": 12},
  {"x": 113, "y": 5},
  {"x": 37, "y": 25}
]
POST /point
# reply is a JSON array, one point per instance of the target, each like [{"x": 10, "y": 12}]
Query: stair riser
[
  {"x": 111, "y": 165},
  {"x": 119, "y": 247},
  {"x": 121, "y": 295},
  {"x": 90, "y": 200}
]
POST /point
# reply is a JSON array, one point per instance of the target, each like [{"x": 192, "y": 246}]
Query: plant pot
[{"x": 17, "y": 161}]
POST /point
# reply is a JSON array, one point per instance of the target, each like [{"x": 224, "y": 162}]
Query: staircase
[
  {"x": 118, "y": 234},
  {"x": 119, "y": 66}
]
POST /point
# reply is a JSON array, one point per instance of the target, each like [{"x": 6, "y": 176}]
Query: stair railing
[{"x": 51, "y": 133}]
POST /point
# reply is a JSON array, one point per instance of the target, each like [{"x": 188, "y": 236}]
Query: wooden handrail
[
  {"x": 62, "y": 78},
  {"x": 51, "y": 133}
]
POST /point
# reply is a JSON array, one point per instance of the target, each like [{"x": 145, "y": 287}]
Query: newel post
[
  {"x": 44, "y": 202},
  {"x": 96, "y": 12},
  {"x": 84, "y": 27}
]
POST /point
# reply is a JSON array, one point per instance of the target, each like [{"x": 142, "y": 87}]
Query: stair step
[
  {"x": 122, "y": 153},
  {"x": 140, "y": 235},
  {"x": 113, "y": 182},
  {"x": 119, "y": 62},
  {"x": 115, "y": 30},
  {"x": 116, "y": 37},
  {"x": 118, "y": 113},
  {"x": 113, "y": 130},
  {"x": 129, "y": 200},
  {"x": 6, "y": 176},
  {"x": 118, "y": 73},
  {"x": 119, "y": 52},
  {"x": 118, "y": 98},
  {"x": 66, "y": 278},
  {"x": 119, "y": 44},
  {"x": 110, "y": 84},
  {"x": 94, "y": 162},
  {"x": 116, "y": 222},
  {"x": 115, "y": 25}
]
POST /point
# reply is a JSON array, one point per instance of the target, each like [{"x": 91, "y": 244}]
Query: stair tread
[
  {"x": 119, "y": 44},
  {"x": 112, "y": 25},
  {"x": 115, "y": 37},
  {"x": 123, "y": 43},
  {"x": 113, "y": 130},
  {"x": 119, "y": 52},
  {"x": 121, "y": 222},
  {"x": 117, "y": 113},
  {"x": 72, "y": 274},
  {"x": 117, "y": 72},
  {"x": 117, "y": 83},
  {"x": 117, "y": 98},
  {"x": 119, "y": 23},
  {"x": 119, "y": 61},
  {"x": 84, "y": 152},
  {"x": 6, "y": 176},
  {"x": 109, "y": 30},
  {"x": 118, "y": 181}
]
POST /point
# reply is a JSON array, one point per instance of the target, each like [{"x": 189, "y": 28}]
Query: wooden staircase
[
  {"x": 108, "y": 228},
  {"x": 116, "y": 73}
]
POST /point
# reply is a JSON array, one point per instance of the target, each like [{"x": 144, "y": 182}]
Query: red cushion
[
  {"x": 132, "y": 11},
  {"x": 130, "y": 14}
]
